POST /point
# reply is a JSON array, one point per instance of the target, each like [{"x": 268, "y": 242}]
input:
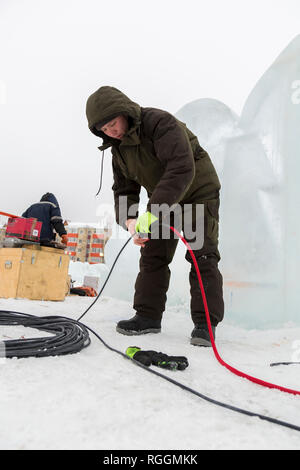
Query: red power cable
[
  {"x": 218, "y": 357},
  {"x": 8, "y": 215}
]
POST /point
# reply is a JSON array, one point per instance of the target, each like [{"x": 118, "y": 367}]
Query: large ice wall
[{"x": 258, "y": 160}]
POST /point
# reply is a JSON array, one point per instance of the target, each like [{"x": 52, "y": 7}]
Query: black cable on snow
[
  {"x": 107, "y": 278},
  {"x": 195, "y": 392},
  {"x": 274, "y": 364},
  {"x": 67, "y": 335},
  {"x": 72, "y": 335}
]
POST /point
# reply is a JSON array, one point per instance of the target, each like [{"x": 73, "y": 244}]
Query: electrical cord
[
  {"x": 274, "y": 364},
  {"x": 107, "y": 278},
  {"x": 101, "y": 174},
  {"x": 67, "y": 336},
  {"x": 217, "y": 355},
  {"x": 195, "y": 392},
  {"x": 184, "y": 387},
  {"x": 71, "y": 336}
]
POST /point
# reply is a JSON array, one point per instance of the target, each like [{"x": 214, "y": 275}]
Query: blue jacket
[{"x": 47, "y": 211}]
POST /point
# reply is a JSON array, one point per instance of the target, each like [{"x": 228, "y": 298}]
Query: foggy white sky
[{"x": 163, "y": 53}]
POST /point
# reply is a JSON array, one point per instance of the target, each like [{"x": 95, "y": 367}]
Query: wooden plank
[
  {"x": 37, "y": 273},
  {"x": 10, "y": 265}
]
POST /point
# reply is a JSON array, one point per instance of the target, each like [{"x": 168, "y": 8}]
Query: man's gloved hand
[
  {"x": 64, "y": 239},
  {"x": 130, "y": 224},
  {"x": 159, "y": 359},
  {"x": 144, "y": 221}
]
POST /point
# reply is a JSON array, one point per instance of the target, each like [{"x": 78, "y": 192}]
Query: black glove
[
  {"x": 159, "y": 359},
  {"x": 169, "y": 362}
]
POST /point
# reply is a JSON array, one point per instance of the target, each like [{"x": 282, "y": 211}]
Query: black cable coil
[{"x": 69, "y": 336}]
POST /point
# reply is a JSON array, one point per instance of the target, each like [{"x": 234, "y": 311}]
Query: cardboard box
[
  {"x": 34, "y": 272},
  {"x": 26, "y": 229}
]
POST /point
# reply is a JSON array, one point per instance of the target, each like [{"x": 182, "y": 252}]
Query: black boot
[
  {"x": 200, "y": 335},
  {"x": 138, "y": 325}
]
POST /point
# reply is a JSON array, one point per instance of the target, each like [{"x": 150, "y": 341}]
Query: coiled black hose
[{"x": 67, "y": 336}]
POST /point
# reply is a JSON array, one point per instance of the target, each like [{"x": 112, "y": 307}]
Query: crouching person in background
[{"x": 47, "y": 211}]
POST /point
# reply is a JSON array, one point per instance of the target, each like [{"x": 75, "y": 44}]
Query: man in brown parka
[{"x": 151, "y": 148}]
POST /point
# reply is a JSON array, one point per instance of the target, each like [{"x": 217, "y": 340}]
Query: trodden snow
[{"x": 96, "y": 399}]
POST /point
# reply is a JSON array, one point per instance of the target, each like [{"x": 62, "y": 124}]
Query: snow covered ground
[{"x": 98, "y": 400}]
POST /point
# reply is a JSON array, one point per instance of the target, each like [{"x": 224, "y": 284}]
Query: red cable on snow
[{"x": 218, "y": 357}]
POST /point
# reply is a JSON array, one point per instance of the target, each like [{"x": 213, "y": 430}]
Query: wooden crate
[{"x": 34, "y": 272}]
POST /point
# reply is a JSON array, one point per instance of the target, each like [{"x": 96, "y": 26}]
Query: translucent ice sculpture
[{"x": 257, "y": 157}]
